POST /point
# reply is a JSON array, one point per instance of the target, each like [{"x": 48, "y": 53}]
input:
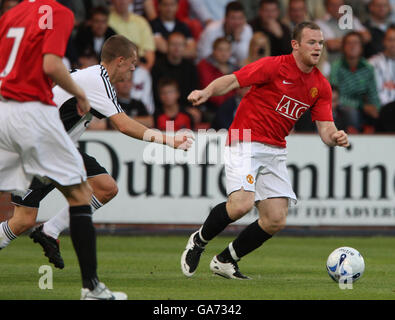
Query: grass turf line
[{"x": 148, "y": 268}]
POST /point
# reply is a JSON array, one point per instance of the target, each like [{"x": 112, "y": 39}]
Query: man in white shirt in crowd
[{"x": 234, "y": 27}]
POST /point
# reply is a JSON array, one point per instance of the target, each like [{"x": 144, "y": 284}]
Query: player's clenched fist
[
  {"x": 341, "y": 139},
  {"x": 198, "y": 97},
  {"x": 183, "y": 140}
]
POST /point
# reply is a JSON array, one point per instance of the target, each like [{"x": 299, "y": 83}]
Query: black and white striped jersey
[{"x": 100, "y": 93}]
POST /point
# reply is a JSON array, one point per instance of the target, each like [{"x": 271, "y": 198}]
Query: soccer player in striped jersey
[{"x": 97, "y": 81}]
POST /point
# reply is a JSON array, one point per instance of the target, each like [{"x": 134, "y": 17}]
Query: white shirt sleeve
[
  {"x": 358, "y": 26},
  {"x": 99, "y": 92},
  {"x": 326, "y": 30},
  {"x": 205, "y": 45},
  {"x": 142, "y": 89},
  {"x": 240, "y": 49},
  {"x": 199, "y": 9}
]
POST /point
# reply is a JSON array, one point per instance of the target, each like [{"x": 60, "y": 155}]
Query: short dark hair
[
  {"x": 233, "y": 6},
  {"x": 262, "y": 2},
  {"x": 176, "y": 33},
  {"x": 99, "y": 10},
  {"x": 218, "y": 41},
  {"x": 166, "y": 81},
  {"x": 117, "y": 46},
  {"x": 297, "y": 33},
  {"x": 352, "y": 34}
]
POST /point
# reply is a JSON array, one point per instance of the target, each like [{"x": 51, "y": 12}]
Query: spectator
[
  {"x": 92, "y": 34},
  {"x": 184, "y": 15},
  {"x": 251, "y": 7},
  {"x": 359, "y": 8},
  {"x": 213, "y": 67},
  {"x": 234, "y": 27},
  {"x": 384, "y": 67},
  {"x": 354, "y": 77},
  {"x": 6, "y": 5},
  {"x": 268, "y": 22},
  {"x": 259, "y": 48},
  {"x": 392, "y": 18},
  {"x": 167, "y": 23},
  {"x": 144, "y": 8},
  {"x": 315, "y": 8},
  {"x": 377, "y": 24},
  {"x": 142, "y": 88},
  {"x": 133, "y": 108},
  {"x": 333, "y": 33},
  {"x": 207, "y": 11},
  {"x": 136, "y": 29},
  {"x": 297, "y": 13},
  {"x": 340, "y": 114},
  {"x": 226, "y": 112},
  {"x": 169, "y": 96},
  {"x": 174, "y": 65},
  {"x": 87, "y": 59},
  {"x": 340, "y": 117}
]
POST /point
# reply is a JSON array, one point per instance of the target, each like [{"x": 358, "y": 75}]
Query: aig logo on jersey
[{"x": 291, "y": 108}]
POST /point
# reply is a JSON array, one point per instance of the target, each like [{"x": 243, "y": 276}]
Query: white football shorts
[
  {"x": 259, "y": 168},
  {"x": 33, "y": 142}
]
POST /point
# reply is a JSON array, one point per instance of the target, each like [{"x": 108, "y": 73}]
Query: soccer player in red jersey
[
  {"x": 33, "y": 141},
  {"x": 283, "y": 88}
]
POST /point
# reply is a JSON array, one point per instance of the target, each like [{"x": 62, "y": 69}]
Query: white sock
[
  {"x": 54, "y": 226},
  {"x": 6, "y": 235},
  {"x": 95, "y": 204}
]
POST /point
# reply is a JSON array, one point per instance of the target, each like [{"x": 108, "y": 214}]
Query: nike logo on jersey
[{"x": 286, "y": 82}]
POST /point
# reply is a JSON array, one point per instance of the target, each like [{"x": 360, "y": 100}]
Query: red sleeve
[
  {"x": 322, "y": 109},
  {"x": 257, "y": 72},
  {"x": 57, "y": 37}
]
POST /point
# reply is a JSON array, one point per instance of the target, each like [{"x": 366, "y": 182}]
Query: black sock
[
  {"x": 248, "y": 240},
  {"x": 83, "y": 236},
  {"x": 216, "y": 222}
]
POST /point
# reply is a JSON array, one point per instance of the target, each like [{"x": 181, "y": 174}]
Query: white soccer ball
[{"x": 345, "y": 265}]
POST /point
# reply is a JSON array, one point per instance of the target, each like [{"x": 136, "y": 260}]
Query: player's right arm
[
  {"x": 54, "y": 68},
  {"x": 136, "y": 130},
  {"x": 218, "y": 87}
]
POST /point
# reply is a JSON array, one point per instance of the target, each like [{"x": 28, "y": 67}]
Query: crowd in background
[{"x": 186, "y": 44}]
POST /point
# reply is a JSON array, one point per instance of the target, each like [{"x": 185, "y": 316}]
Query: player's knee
[
  {"x": 109, "y": 192},
  {"x": 238, "y": 209},
  {"x": 276, "y": 222},
  {"x": 277, "y": 225}
]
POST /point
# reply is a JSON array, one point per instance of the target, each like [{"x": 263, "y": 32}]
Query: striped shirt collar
[{"x": 104, "y": 72}]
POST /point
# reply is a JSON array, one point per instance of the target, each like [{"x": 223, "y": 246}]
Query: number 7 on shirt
[{"x": 16, "y": 33}]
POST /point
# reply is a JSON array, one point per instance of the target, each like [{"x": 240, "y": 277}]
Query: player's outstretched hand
[
  {"x": 183, "y": 140},
  {"x": 341, "y": 139},
  {"x": 197, "y": 97}
]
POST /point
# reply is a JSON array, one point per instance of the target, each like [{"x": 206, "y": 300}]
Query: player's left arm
[
  {"x": 136, "y": 130},
  {"x": 330, "y": 135}
]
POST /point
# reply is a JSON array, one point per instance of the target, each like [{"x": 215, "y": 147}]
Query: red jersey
[
  {"x": 279, "y": 95},
  {"x": 208, "y": 73},
  {"x": 181, "y": 121},
  {"x": 27, "y": 32}
]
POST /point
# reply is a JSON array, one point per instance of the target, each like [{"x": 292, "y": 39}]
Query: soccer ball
[{"x": 345, "y": 265}]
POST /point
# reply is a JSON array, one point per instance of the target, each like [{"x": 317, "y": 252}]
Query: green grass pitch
[{"x": 148, "y": 268}]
